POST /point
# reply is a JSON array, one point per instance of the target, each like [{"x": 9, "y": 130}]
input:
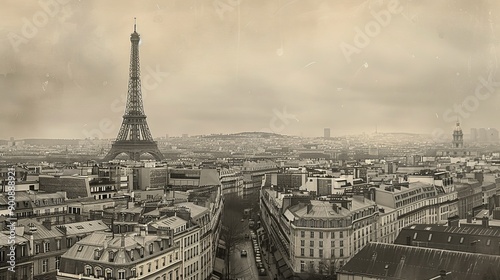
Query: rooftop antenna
[{"x": 135, "y": 24}]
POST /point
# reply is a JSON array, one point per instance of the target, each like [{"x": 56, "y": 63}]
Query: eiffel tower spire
[{"x": 134, "y": 137}]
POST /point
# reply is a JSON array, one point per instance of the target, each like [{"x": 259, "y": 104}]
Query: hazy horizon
[{"x": 226, "y": 66}]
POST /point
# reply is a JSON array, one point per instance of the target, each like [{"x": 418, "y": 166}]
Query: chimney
[
  {"x": 122, "y": 241},
  {"x": 309, "y": 208},
  {"x": 486, "y": 221},
  {"x": 469, "y": 217},
  {"x": 47, "y": 224},
  {"x": 335, "y": 207},
  {"x": 454, "y": 221}
]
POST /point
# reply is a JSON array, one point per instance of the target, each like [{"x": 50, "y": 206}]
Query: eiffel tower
[{"x": 134, "y": 137}]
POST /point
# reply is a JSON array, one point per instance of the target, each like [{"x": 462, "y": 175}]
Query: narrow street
[{"x": 245, "y": 267}]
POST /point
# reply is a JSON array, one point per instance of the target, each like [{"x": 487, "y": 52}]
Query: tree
[
  {"x": 325, "y": 270},
  {"x": 232, "y": 234}
]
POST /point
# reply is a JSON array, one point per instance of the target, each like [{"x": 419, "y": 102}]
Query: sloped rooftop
[{"x": 406, "y": 262}]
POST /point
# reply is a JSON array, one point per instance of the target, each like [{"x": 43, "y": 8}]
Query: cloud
[{"x": 228, "y": 74}]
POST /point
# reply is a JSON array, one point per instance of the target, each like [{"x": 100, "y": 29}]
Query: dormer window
[
  {"x": 97, "y": 254},
  {"x": 111, "y": 256},
  {"x": 151, "y": 248}
]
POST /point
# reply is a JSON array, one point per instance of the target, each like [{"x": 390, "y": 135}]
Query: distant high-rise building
[
  {"x": 482, "y": 135},
  {"x": 326, "y": 133},
  {"x": 473, "y": 134},
  {"x": 166, "y": 136},
  {"x": 492, "y": 135}
]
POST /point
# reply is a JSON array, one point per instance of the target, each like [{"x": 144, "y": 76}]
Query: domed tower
[{"x": 458, "y": 137}]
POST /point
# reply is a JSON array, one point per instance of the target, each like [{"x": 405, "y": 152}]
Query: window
[
  {"x": 312, "y": 234},
  {"x": 45, "y": 265},
  {"x": 98, "y": 271},
  {"x": 341, "y": 243},
  {"x": 302, "y": 266},
  {"x": 320, "y": 253},
  {"x": 341, "y": 234},
  {"x": 311, "y": 252},
  {"x": 341, "y": 252},
  {"x": 302, "y": 234},
  {"x": 121, "y": 275},
  {"x": 333, "y": 234},
  {"x": 488, "y": 242},
  {"x": 80, "y": 248},
  {"x": 302, "y": 243},
  {"x": 88, "y": 270},
  {"x": 461, "y": 240},
  {"x": 430, "y": 237},
  {"x": 109, "y": 273},
  {"x": 301, "y": 252},
  {"x": 37, "y": 248},
  {"x": 320, "y": 234},
  {"x": 321, "y": 244},
  {"x": 58, "y": 244},
  {"x": 311, "y": 243},
  {"x": 333, "y": 244}
]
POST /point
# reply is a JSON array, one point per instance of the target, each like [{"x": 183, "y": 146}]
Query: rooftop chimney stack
[
  {"x": 309, "y": 208},
  {"x": 486, "y": 221}
]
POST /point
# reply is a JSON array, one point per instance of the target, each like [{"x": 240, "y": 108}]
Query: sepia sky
[{"x": 285, "y": 66}]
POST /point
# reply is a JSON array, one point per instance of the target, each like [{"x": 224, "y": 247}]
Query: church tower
[{"x": 458, "y": 137}]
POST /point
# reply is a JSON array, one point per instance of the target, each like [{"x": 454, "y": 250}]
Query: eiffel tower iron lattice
[{"x": 134, "y": 137}]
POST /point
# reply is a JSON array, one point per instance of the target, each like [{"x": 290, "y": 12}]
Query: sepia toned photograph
[{"x": 249, "y": 139}]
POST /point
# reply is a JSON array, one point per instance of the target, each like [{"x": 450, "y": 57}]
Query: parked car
[
  {"x": 243, "y": 253},
  {"x": 257, "y": 255},
  {"x": 259, "y": 265},
  {"x": 257, "y": 259},
  {"x": 262, "y": 271}
]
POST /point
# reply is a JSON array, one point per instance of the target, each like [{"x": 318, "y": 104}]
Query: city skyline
[{"x": 230, "y": 66}]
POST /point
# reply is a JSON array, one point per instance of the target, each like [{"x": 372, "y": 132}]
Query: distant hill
[
  {"x": 51, "y": 142},
  {"x": 247, "y": 135}
]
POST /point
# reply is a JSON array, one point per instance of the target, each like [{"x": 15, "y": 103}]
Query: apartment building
[
  {"x": 415, "y": 202},
  {"x": 133, "y": 256},
  {"x": 231, "y": 180},
  {"x": 317, "y": 235}
]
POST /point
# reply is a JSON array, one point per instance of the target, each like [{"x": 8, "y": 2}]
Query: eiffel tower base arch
[{"x": 134, "y": 150}]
